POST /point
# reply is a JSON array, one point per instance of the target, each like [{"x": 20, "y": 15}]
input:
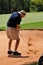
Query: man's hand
[{"x": 17, "y": 27}]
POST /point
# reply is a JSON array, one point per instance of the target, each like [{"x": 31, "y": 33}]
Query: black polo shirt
[{"x": 14, "y": 20}]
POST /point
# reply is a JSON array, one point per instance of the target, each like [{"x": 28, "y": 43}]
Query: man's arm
[{"x": 17, "y": 27}]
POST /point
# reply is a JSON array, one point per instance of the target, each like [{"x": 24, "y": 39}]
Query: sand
[{"x": 29, "y": 53}]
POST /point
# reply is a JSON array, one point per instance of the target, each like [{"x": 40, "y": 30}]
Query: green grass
[
  {"x": 2, "y": 28},
  {"x": 30, "y": 21},
  {"x": 4, "y": 19},
  {"x": 33, "y": 17},
  {"x": 34, "y": 25}
]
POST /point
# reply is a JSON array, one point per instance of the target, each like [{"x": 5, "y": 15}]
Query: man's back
[{"x": 14, "y": 20}]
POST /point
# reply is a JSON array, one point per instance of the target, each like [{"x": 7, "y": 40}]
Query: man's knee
[{"x": 18, "y": 40}]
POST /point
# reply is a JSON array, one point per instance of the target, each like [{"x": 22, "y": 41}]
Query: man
[{"x": 13, "y": 30}]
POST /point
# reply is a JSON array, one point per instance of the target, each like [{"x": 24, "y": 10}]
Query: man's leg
[
  {"x": 16, "y": 47},
  {"x": 9, "y": 46},
  {"x": 17, "y": 44}
]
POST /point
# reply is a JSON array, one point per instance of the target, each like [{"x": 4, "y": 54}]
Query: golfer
[{"x": 13, "y": 30}]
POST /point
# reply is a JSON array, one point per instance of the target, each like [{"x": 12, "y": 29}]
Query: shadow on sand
[
  {"x": 17, "y": 56},
  {"x": 32, "y": 63}
]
